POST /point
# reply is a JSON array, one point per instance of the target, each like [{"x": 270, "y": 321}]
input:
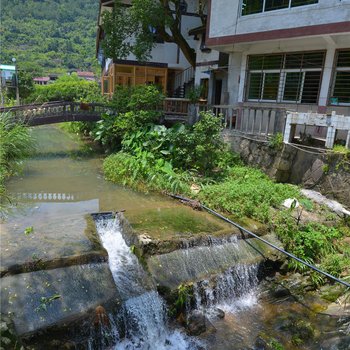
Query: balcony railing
[{"x": 258, "y": 121}]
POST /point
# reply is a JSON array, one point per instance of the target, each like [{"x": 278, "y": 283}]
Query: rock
[
  {"x": 314, "y": 174},
  {"x": 195, "y": 188},
  {"x": 339, "y": 343},
  {"x": 101, "y": 318},
  {"x": 145, "y": 239},
  {"x": 284, "y": 165},
  {"x": 54, "y": 297},
  {"x": 280, "y": 291},
  {"x": 322, "y": 200},
  {"x": 196, "y": 324},
  {"x": 261, "y": 344},
  {"x": 217, "y": 313}
]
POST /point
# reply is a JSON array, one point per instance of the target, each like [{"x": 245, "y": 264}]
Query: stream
[{"x": 58, "y": 267}]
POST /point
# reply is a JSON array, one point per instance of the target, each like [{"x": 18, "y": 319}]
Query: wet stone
[
  {"x": 196, "y": 323},
  {"x": 54, "y": 240},
  {"x": 39, "y": 300},
  {"x": 217, "y": 313}
]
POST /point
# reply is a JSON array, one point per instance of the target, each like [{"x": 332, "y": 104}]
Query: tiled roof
[
  {"x": 85, "y": 74},
  {"x": 42, "y": 79}
]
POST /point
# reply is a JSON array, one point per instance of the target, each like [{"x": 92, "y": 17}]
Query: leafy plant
[
  {"x": 194, "y": 93},
  {"x": 276, "y": 141},
  {"x": 28, "y": 230},
  {"x": 184, "y": 295},
  {"x": 46, "y": 301}
]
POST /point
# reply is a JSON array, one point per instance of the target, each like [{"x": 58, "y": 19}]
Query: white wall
[{"x": 226, "y": 17}]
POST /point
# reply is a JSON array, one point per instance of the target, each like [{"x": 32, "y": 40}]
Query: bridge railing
[{"x": 34, "y": 113}]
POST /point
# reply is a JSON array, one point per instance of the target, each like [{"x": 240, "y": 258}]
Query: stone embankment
[{"x": 327, "y": 173}]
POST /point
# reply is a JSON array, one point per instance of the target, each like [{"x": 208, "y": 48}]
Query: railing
[
  {"x": 38, "y": 114},
  {"x": 333, "y": 123},
  {"x": 176, "y": 106},
  {"x": 183, "y": 78},
  {"x": 258, "y": 121}
]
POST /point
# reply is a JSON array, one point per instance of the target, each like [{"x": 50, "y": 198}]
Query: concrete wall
[
  {"x": 328, "y": 174},
  {"x": 226, "y": 17}
]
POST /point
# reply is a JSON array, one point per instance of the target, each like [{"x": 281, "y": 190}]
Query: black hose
[{"x": 263, "y": 240}]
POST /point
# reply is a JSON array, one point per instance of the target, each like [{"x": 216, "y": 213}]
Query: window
[
  {"x": 341, "y": 85},
  {"x": 250, "y": 7},
  {"x": 289, "y": 78}
]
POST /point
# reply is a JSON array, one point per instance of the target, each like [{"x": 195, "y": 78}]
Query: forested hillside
[{"x": 48, "y": 35}]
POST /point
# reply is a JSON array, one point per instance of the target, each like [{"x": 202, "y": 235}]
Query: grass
[
  {"x": 15, "y": 144},
  {"x": 247, "y": 192}
]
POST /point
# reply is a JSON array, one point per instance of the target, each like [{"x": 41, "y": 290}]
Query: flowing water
[
  {"x": 144, "y": 312},
  {"x": 60, "y": 185}
]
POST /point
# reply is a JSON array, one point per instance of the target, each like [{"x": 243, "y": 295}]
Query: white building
[
  {"x": 282, "y": 53},
  {"x": 165, "y": 66}
]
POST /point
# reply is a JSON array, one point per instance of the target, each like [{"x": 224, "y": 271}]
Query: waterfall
[
  {"x": 234, "y": 290},
  {"x": 144, "y": 312}
]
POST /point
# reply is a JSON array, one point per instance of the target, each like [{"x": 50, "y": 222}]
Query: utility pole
[{"x": 16, "y": 77}]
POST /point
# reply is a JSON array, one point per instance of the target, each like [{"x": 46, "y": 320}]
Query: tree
[{"x": 132, "y": 29}]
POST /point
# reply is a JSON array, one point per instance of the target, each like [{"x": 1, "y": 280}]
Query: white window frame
[
  {"x": 264, "y": 5},
  {"x": 282, "y": 83},
  {"x": 336, "y": 70}
]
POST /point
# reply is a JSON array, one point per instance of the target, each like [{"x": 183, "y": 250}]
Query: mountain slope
[{"x": 48, "y": 35}]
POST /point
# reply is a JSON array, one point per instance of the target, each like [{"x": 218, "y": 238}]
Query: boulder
[{"x": 196, "y": 323}]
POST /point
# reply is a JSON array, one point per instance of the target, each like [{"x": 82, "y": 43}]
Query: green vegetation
[
  {"x": 315, "y": 243},
  {"x": 341, "y": 149},
  {"x": 171, "y": 159},
  {"x": 15, "y": 144},
  {"x": 247, "y": 192},
  {"x": 276, "y": 141},
  {"x": 67, "y": 88},
  {"x": 48, "y": 36},
  {"x": 46, "y": 301}
]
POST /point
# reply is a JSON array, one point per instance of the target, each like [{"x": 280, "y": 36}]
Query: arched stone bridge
[{"x": 56, "y": 112}]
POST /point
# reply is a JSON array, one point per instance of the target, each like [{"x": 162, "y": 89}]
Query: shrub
[
  {"x": 200, "y": 147},
  {"x": 138, "y": 98},
  {"x": 276, "y": 141},
  {"x": 144, "y": 172},
  {"x": 67, "y": 88},
  {"x": 137, "y": 107}
]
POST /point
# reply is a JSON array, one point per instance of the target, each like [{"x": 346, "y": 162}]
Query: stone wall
[{"x": 326, "y": 173}]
